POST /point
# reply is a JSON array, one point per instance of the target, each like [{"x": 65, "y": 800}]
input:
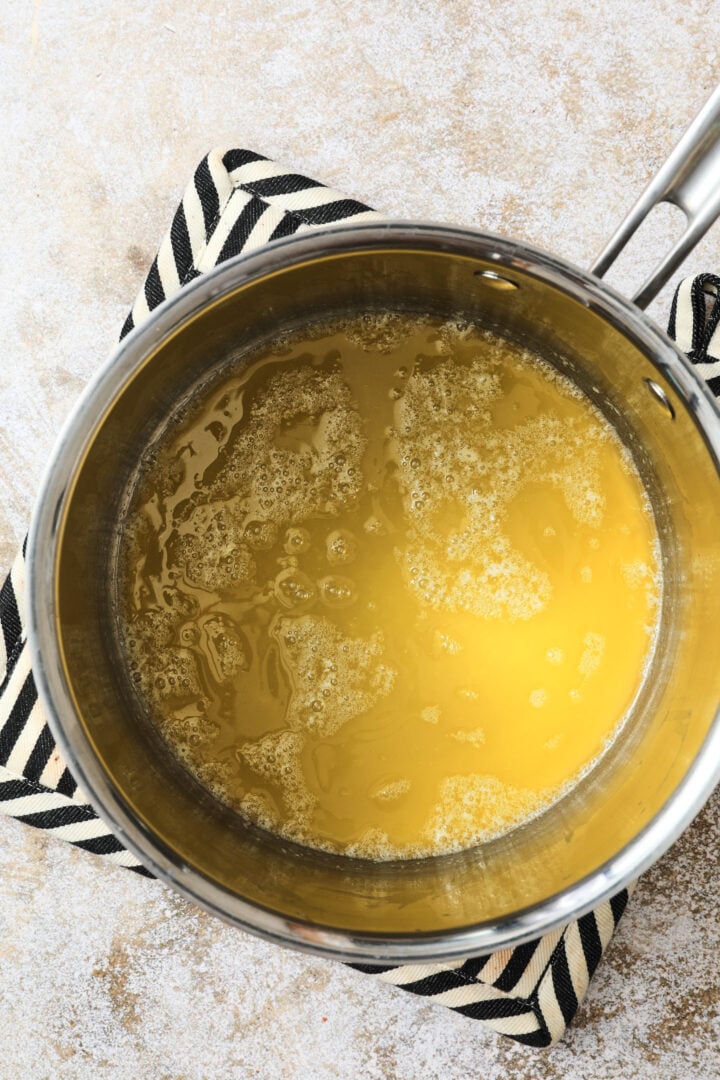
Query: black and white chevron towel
[{"x": 236, "y": 202}]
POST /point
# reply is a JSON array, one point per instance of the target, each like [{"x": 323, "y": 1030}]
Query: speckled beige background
[{"x": 540, "y": 120}]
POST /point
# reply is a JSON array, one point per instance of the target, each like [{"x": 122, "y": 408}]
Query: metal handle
[{"x": 690, "y": 178}]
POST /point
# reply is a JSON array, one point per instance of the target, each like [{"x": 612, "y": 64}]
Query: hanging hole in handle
[
  {"x": 496, "y": 281},
  {"x": 661, "y": 397}
]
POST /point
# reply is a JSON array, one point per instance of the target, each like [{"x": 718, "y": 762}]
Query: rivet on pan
[
  {"x": 661, "y": 397},
  {"x": 496, "y": 281}
]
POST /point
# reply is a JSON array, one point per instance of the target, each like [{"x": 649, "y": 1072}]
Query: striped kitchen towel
[{"x": 237, "y": 201}]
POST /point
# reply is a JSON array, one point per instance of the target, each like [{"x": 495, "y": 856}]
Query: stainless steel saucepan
[{"x": 646, "y": 788}]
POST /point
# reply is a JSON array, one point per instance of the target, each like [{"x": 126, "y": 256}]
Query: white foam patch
[
  {"x": 444, "y": 643},
  {"x": 334, "y": 677},
  {"x": 380, "y": 332},
  {"x": 457, "y": 466},
  {"x": 475, "y": 738},
  {"x": 592, "y": 654},
  {"x": 431, "y": 714},
  {"x": 277, "y": 758},
  {"x": 475, "y": 808}
]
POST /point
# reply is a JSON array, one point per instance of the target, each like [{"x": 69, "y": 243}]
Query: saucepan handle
[{"x": 690, "y": 178}]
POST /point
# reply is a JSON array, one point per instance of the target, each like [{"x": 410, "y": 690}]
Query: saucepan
[{"x": 658, "y": 772}]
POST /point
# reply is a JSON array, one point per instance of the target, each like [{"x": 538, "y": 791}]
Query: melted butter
[{"x": 392, "y": 589}]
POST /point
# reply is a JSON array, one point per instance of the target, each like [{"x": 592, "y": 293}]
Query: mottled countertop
[{"x": 538, "y": 120}]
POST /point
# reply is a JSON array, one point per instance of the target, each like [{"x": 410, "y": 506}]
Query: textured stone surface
[{"x": 540, "y": 120}]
